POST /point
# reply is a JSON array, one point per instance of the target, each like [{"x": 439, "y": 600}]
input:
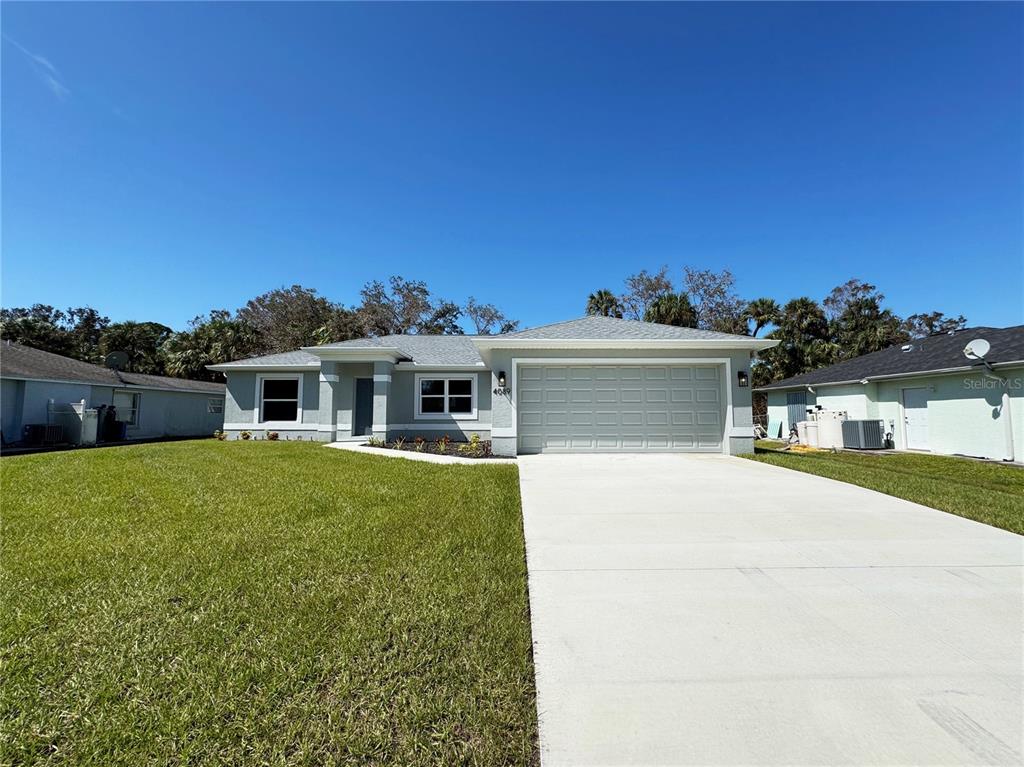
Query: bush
[
  {"x": 245, "y": 435},
  {"x": 273, "y": 436},
  {"x": 220, "y": 435}
]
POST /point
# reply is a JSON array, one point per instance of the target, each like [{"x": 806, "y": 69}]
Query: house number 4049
[{"x": 503, "y": 390}]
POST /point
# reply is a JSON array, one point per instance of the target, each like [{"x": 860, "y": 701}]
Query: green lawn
[
  {"x": 985, "y": 492},
  {"x": 262, "y": 603}
]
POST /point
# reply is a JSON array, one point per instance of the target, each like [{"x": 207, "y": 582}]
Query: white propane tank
[
  {"x": 830, "y": 428},
  {"x": 812, "y": 434},
  {"x": 801, "y": 432}
]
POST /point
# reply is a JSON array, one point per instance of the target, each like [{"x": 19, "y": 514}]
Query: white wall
[
  {"x": 166, "y": 413},
  {"x": 964, "y": 410},
  {"x": 11, "y": 397},
  {"x": 964, "y": 413},
  {"x": 854, "y": 399}
]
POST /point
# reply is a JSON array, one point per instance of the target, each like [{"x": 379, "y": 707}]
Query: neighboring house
[
  {"x": 593, "y": 384},
  {"x": 929, "y": 394},
  {"x": 152, "y": 406}
]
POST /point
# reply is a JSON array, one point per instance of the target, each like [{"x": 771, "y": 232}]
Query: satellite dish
[
  {"x": 977, "y": 349},
  {"x": 116, "y": 360}
]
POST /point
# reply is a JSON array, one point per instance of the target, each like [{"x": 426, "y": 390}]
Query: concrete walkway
[{"x": 712, "y": 610}]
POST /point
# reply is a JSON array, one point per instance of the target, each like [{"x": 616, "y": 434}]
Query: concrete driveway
[{"x": 712, "y": 610}]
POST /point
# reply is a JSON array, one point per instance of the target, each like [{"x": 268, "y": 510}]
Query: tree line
[
  {"x": 850, "y": 321},
  {"x": 280, "y": 320}
]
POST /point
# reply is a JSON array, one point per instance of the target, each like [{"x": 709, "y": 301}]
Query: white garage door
[{"x": 579, "y": 408}]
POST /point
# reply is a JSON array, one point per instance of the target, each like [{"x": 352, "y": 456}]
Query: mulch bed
[{"x": 481, "y": 449}]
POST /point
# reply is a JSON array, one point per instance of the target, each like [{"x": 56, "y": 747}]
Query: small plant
[
  {"x": 419, "y": 444},
  {"x": 473, "y": 448},
  {"x": 245, "y": 434},
  {"x": 399, "y": 443},
  {"x": 375, "y": 442},
  {"x": 273, "y": 436},
  {"x": 442, "y": 443},
  {"x": 220, "y": 435}
]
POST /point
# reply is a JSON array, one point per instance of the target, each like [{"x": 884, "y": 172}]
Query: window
[
  {"x": 215, "y": 405},
  {"x": 279, "y": 399},
  {"x": 126, "y": 403},
  {"x": 440, "y": 397}
]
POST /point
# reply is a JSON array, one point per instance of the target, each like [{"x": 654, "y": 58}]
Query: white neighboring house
[
  {"x": 930, "y": 396},
  {"x": 151, "y": 406}
]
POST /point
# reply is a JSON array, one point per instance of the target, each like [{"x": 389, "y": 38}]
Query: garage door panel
[
  {"x": 620, "y": 407},
  {"x": 582, "y": 418},
  {"x": 631, "y": 418},
  {"x": 657, "y": 418},
  {"x": 530, "y": 396},
  {"x": 531, "y": 418},
  {"x": 682, "y": 418},
  {"x": 707, "y": 395},
  {"x": 556, "y": 418},
  {"x": 581, "y": 395},
  {"x": 681, "y": 395},
  {"x": 656, "y": 395}
]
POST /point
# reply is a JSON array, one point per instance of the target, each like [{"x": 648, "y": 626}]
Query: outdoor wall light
[
  {"x": 743, "y": 378},
  {"x": 501, "y": 378}
]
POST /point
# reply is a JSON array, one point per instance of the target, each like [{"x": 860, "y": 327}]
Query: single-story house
[
  {"x": 592, "y": 384},
  {"x": 38, "y": 387},
  {"x": 927, "y": 392}
]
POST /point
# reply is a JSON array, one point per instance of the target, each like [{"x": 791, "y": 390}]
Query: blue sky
[{"x": 160, "y": 160}]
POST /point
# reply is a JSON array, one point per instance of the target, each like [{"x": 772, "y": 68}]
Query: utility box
[{"x": 79, "y": 422}]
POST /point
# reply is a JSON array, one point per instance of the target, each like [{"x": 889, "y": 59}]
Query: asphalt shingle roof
[
  {"x": 423, "y": 350},
  {"x": 452, "y": 350},
  {"x": 18, "y": 361},
  {"x": 925, "y": 355},
  {"x": 613, "y": 329},
  {"x": 295, "y": 358}
]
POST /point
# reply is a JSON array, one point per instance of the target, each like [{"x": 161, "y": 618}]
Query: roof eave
[
  {"x": 782, "y": 385},
  {"x": 229, "y": 367},
  {"x": 356, "y": 353},
  {"x": 750, "y": 344}
]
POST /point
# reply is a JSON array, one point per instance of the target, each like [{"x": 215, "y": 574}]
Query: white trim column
[
  {"x": 381, "y": 391},
  {"x": 330, "y": 395}
]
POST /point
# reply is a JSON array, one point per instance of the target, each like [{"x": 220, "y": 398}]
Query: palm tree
[
  {"x": 672, "y": 309},
  {"x": 604, "y": 303},
  {"x": 762, "y": 312}
]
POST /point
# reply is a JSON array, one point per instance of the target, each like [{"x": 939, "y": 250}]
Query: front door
[
  {"x": 915, "y": 417},
  {"x": 362, "y": 413}
]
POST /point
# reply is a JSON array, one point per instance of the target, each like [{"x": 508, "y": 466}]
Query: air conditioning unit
[
  {"x": 864, "y": 435},
  {"x": 38, "y": 434}
]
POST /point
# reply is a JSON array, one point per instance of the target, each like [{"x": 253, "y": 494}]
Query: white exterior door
[
  {"x": 607, "y": 408},
  {"x": 915, "y": 418}
]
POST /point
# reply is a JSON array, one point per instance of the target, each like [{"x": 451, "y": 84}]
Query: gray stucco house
[
  {"x": 592, "y": 384},
  {"x": 929, "y": 395},
  {"x": 38, "y": 387}
]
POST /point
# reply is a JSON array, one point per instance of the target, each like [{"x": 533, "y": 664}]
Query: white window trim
[
  {"x": 421, "y": 416},
  {"x": 258, "y": 402},
  {"x": 212, "y": 402},
  {"x": 136, "y": 398}
]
